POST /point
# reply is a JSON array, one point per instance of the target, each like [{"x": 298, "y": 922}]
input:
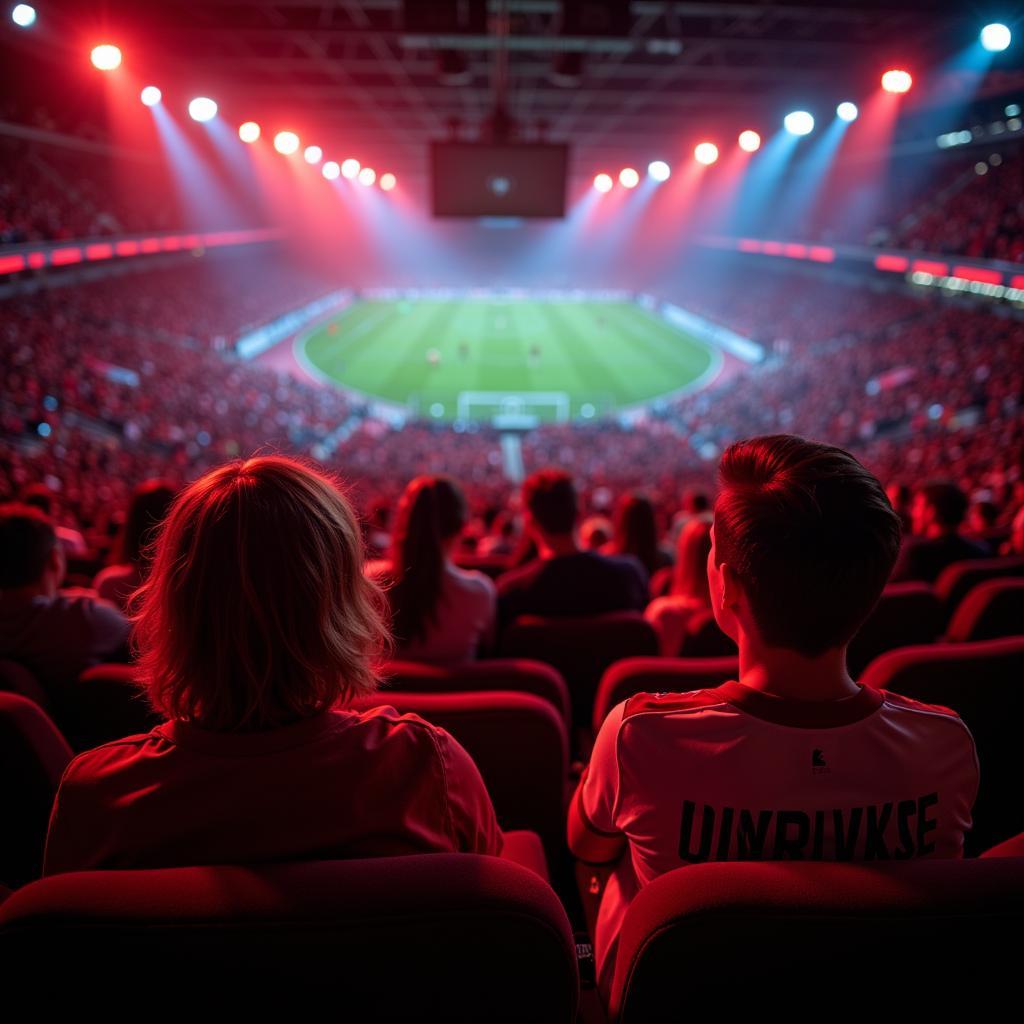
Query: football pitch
[{"x": 481, "y": 358}]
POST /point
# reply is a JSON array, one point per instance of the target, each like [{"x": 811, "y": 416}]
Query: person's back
[
  {"x": 256, "y": 626},
  {"x": 794, "y": 760},
  {"x": 563, "y": 580},
  {"x": 54, "y": 633}
]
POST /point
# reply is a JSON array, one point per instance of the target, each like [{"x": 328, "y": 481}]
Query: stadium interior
[{"x": 473, "y": 241}]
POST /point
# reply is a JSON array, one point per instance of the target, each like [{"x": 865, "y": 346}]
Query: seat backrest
[
  {"x": 956, "y": 581},
  {"x": 984, "y": 683},
  {"x": 992, "y": 609},
  {"x": 33, "y": 756},
  {"x": 518, "y": 741},
  {"x": 580, "y": 648},
  {"x": 906, "y": 613},
  {"x": 105, "y": 704},
  {"x": 881, "y": 940},
  {"x": 16, "y": 678},
  {"x": 434, "y": 936},
  {"x": 659, "y": 675},
  {"x": 516, "y": 674}
]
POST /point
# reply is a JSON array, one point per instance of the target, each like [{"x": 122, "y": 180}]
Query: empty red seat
[
  {"x": 956, "y": 581},
  {"x": 428, "y": 937},
  {"x": 16, "y": 678},
  {"x": 659, "y": 675},
  {"x": 518, "y": 741},
  {"x": 581, "y": 648},
  {"x": 984, "y": 683},
  {"x": 992, "y": 609},
  {"x": 906, "y": 614},
  {"x": 517, "y": 674},
  {"x": 33, "y": 756},
  {"x": 882, "y": 941}
]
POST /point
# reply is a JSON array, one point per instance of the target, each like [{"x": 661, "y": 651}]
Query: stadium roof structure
[{"x": 656, "y": 71}]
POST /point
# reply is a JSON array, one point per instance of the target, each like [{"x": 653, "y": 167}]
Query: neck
[
  {"x": 553, "y": 545},
  {"x": 786, "y": 673}
]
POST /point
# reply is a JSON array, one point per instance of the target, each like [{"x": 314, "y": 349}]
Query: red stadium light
[
  {"x": 603, "y": 182},
  {"x": 330, "y": 170},
  {"x": 349, "y": 168},
  {"x": 750, "y": 142},
  {"x": 151, "y": 96},
  {"x": 897, "y": 81},
  {"x": 629, "y": 177},
  {"x": 706, "y": 153},
  {"x": 367, "y": 176},
  {"x": 388, "y": 181},
  {"x": 105, "y": 57},
  {"x": 286, "y": 143},
  {"x": 249, "y": 131}
]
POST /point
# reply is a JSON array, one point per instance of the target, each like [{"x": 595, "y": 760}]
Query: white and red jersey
[{"x": 733, "y": 773}]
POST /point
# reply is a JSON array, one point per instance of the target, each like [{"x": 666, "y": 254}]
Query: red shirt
[{"x": 343, "y": 784}]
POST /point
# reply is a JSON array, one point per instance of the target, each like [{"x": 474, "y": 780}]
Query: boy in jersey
[{"x": 795, "y": 760}]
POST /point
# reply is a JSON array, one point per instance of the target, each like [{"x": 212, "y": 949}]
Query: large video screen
[{"x": 480, "y": 179}]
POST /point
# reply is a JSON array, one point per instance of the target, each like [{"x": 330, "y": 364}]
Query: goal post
[{"x": 514, "y": 410}]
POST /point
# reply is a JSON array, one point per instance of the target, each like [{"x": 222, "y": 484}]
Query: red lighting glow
[
  {"x": 349, "y": 168},
  {"x": 367, "y": 176},
  {"x": 105, "y": 57},
  {"x": 388, "y": 182},
  {"x": 629, "y": 177},
  {"x": 706, "y": 153},
  {"x": 286, "y": 143},
  {"x": 897, "y": 81},
  {"x": 249, "y": 131},
  {"x": 603, "y": 182}
]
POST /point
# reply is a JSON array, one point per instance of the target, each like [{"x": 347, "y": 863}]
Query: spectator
[
  {"x": 41, "y": 497},
  {"x": 636, "y": 533},
  {"x": 440, "y": 613},
  {"x": 562, "y": 579},
  {"x": 689, "y": 592},
  {"x": 937, "y": 510},
  {"x": 256, "y": 625},
  {"x": 794, "y": 761},
  {"x": 150, "y": 502},
  {"x": 55, "y": 634}
]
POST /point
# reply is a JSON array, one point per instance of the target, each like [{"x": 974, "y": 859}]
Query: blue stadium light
[
  {"x": 799, "y": 122},
  {"x": 847, "y": 111},
  {"x": 202, "y": 108},
  {"x": 24, "y": 16},
  {"x": 659, "y": 170},
  {"x": 151, "y": 96},
  {"x": 996, "y": 37}
]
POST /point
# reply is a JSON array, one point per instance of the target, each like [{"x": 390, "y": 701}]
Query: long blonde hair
[{"x": 256, "y": 611}]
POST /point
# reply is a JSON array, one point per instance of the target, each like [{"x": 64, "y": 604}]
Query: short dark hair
[
  {"x": 811, "y": 535},
  {"x": 949, "y": 502},
  {"x": 27, "y": 536},
  {"x": 550, "y": 496}
]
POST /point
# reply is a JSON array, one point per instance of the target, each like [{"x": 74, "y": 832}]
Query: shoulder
[
  {"x": 670, "y": 703},
  {"x": 514, "y": 579},
  {"x": 109, "y": 759},
  {"x": 472, "y": 581},
  {"x": 899, "y": 704}
]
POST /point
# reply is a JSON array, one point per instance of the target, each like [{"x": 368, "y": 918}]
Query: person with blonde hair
[{"x": 256, "y": 626}]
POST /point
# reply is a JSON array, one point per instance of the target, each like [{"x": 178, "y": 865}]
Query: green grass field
[{"x": 595, "y": 357}]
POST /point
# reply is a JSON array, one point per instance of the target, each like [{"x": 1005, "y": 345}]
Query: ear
[{"x": 730, "y": 587}]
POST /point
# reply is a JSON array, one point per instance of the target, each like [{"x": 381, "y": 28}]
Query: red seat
[
  {"x": 984, "y": 683},
  {"x": 906, "y": 613},
  {"x": 105, "y": 704},
  {"x": 821, "y": 939},
  {"x": 16, "y": 678},
  {"x": 991, "y": 610},
  {"x": 580, "y": 648},
  {"x": 428, "y": 937},
  {"x": 956, "y": 581},
  {"x": 517, "y": 674},
  {"x": 659, "y": 675},
  {"x": 33, "y": 756},
  {"x": 518, "y": 741}
]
